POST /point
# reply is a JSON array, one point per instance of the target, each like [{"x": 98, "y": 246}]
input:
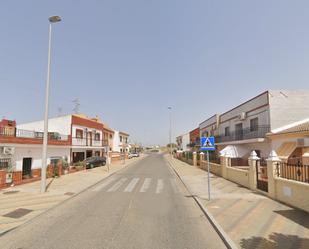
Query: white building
[
  {"x": 183, "y": 142},
  {"x": 120, "y": 142},
  {"x": 71, "y": 137},
  {"x": 244, "y": 127}
]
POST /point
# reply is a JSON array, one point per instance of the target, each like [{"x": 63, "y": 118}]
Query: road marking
[
  {"x": 104, "y": 184},
  {"x": 146, "y": 185},
  {"x": 174, "y": 185},
  {"x": 131, "y": 185},
  {"x": 117, "y": 185},
  {"x": 160, "y": 186}
]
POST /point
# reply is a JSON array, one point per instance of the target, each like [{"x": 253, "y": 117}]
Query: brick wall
[
  {"x": 17, "y": 177},
  {"x": 2, "y": 178}
]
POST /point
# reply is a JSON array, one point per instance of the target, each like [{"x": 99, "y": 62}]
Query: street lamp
[
  {"x": 52, "y": 19},
  {"x": 170, "y": 133}
]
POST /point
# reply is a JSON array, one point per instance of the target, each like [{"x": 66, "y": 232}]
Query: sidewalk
[
  {"x": 21, "y": 203},
  {"x": 251, "y": 219}
]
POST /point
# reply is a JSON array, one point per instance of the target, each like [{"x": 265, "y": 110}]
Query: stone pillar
[
  {"x": 225, "y": 162},
  {"x": 272, "y": 162},
  {"x": 194, "y": 159},
  {"x": 252, "y": 161}
]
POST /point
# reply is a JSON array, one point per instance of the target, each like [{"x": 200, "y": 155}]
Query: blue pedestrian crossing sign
[{"x": 208, "y": 143}]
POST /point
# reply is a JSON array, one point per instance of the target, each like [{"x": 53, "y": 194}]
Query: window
[
  {"x": 4, "y": 163},
  {"x": 120, "y": 138},
  {"x": 79, "y": 133},
  {"x": 126, "y": 140},
  {"x": 254, "y": 124},
  {"x": 110, "y": 136},
  {"x": 227, "y": 131},
  {"x": 97, "y": 136}
]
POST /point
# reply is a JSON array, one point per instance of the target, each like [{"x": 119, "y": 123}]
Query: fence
[
  {"x": 239, "y": 162},
  {"x": 245, "y": 133},
  {"x": 293, "y": 171}
]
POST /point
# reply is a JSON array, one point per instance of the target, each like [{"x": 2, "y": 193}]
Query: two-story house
[
  {"x": 121, "y": 142},
  {"x": 183, "y": 142},
  {"x": 244, "y": 127},
  {"x": 194, "y": 136},
  {"x": 71, "y": 137}
]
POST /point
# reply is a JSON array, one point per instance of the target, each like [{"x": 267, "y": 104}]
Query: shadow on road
[
  {"x": 275, "y": 241},
  {"x": 48, "y": 185}
]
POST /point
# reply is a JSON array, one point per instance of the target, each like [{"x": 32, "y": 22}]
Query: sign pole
[
  {"x": 208, "y": 166},
  {"x": 207, "y": 144}
]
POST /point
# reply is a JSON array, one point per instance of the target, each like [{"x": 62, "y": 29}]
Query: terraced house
[
  {"x": 244, "y": 128},
  {"x": 71, "y": 138}
]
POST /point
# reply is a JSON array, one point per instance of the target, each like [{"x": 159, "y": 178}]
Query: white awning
[{"x": 234, "y": 151}]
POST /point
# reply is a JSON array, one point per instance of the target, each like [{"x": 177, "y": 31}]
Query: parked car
[
  {"x": 133, "y": 154},
  {"x": 94, "y": 161}
]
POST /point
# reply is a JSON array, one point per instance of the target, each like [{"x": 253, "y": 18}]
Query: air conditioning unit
[
  {"x": 242, "y": 116},
  {"x": 306, "y": 141},
  {"x": 8, "y": 150}
]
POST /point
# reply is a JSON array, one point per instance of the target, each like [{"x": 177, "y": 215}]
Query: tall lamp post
[
  {"x": 52, "y": 19},
  {"x": 170, "y": 132}
]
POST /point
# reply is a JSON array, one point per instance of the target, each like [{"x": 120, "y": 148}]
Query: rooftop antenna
[{"x": 76, "y": 106}]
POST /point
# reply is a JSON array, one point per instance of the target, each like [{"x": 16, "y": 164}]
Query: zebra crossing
[{"x": 125, "y": 185}]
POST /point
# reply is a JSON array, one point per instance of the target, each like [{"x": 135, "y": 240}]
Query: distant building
[
  {"x": 195, "y": 139},
  {"x": 183, "y": 142},
  {"x": 121, "y": 142}
]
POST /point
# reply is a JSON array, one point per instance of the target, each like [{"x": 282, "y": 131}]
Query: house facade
[
  {"x": 246, "y": 125},
  {"x": 121, "y": 142},
  {"x": 291, "y": 142},
  {"x": 183, "y": 142},
  {"x": 71, "y": 138},
  {"x": 195, "y": 139}
]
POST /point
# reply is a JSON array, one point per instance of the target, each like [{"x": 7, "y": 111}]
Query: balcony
[
  {"x": 244, "y": 134},
  {"x": 13, "y": 135},
  {"x": 88, "y": 142}
]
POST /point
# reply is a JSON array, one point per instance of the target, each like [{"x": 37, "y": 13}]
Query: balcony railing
[
  {"x": 246, "y": 133},
  {"x": 18, "y": 133},
  {"x": 89, "y": 142}
]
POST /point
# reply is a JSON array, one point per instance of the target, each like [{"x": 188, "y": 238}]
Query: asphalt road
[{"x": 143, "y": 206}]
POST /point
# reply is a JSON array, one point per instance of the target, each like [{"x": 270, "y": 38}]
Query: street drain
[
  {"x": 16, "y": 214},
  {"x": 69, "y": 193},
  {"x": 10, "y": 192}
]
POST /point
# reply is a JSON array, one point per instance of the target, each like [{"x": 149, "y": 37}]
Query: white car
[{"x": 133, "y": 154}]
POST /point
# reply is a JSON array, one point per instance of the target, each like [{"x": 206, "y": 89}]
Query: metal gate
[{"x": 261, "y": 175}]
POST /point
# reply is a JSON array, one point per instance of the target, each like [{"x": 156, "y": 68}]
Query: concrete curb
[
  {"x": 223, "y": 235},
  {"x": 71, "y": 197}
]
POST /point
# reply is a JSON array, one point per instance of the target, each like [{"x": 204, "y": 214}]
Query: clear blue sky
[{"x": 128, "y": 60}]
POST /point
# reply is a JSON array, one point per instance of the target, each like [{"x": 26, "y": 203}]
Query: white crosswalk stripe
[
  {"x": 160, "y": 186},
  {"x": 131, "y": 185},
  {"x": 174, "y": 185},
  {"x": 104, "y": 184},
  {"x": 145, "y": 185},
  {"x": 117, "y": 185}
]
